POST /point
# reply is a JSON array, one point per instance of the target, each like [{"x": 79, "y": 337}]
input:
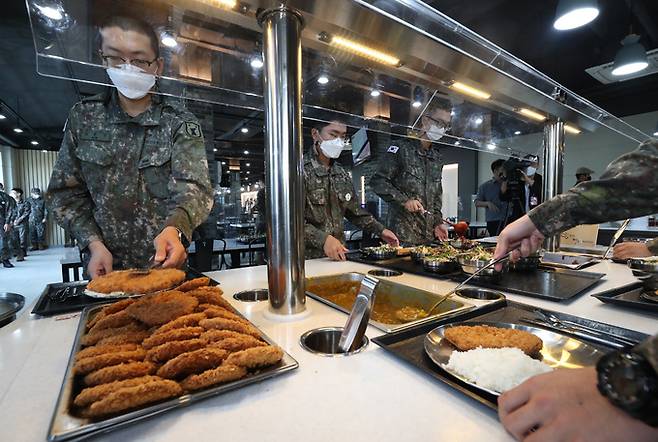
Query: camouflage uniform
[
  {"x": 121, "y": 179},
  {"x": 653, "y": 246},
  {"x": 330, "y": 197},
  {"x": 38, "y": 213},
  {"x": 409, "y": 171},
  {"x": 626, "y": 189},
  {"x": 19, "y": 231},
  {"x": 7, "y": 210}
]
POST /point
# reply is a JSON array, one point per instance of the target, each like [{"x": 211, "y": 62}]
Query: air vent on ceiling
[{"x": 603, "y": 72}]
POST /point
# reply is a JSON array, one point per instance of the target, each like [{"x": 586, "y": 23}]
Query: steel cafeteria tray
[
  {"x": 409, "y": 344},
  {"x": 629, "y": 296},
  {"x": 64, "y": 426},
  {"x": 10, "y": 304}
]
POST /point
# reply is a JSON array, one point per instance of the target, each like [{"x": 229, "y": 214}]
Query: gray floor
[{"x": 29, "y": 277}]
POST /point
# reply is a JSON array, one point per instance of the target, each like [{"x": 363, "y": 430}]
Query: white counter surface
[{"x": 369, "y": 396}]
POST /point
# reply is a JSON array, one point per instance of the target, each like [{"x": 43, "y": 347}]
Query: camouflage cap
[
  {"x": 35, "y": 190},
  {"x": 584, "y": 171}
]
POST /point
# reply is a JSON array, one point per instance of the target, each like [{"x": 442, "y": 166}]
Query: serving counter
[{"x": 367, "y": 396}]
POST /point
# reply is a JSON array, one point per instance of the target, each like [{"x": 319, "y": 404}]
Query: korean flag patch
[
  {"x": 193, "y": 129},
  {"x": 393, "y": 149}
]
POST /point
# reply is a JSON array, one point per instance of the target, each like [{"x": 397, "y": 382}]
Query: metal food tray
[
  {"x": 64, "y": 426},
  {"x": 403, "y": 294},
  {"x": 409, "y": 345},
  {"x": 551, "y": 284},
  {"x": 10, "y": 304},
  {"x": 628, "y": 296},
  {"x": 45, "y": 306}
]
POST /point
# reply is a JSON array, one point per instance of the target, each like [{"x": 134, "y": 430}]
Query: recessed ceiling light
[
  {"x": 416, "y": 104},
  {"x": 247, "y": 172},
  {"x": 18, "y": 130},
  {"x": 248, "y": 164},
  {"x": 256, "y": 63},
  {"x": 246, "y": 152},
  {"x": 44, "y": 151},
  {"x": 479, "y": 120},
  {"x": 517, "y": 132},
  {"x": 214, "y": 149},
  {"x": 375, "y": 93},
  {"x": 169, "y": 40},
  {"x": 34, "y": 143},
  {"x": 244, "y": 130},
  {"x": 572, "y": 14},
  {"x": 224, "y": 163},
  {"x": 3, "y": 117},
  {"x": 323, "y": 79}
]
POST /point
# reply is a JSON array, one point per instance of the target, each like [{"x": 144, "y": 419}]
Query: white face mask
[
  {"x": 132, "y": 82},
  {"x": 332, "y": 148},
  {"x": 435, "y": 132},
  {"x": 530, "y": 171}
]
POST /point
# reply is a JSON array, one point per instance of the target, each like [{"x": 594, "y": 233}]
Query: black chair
[{"x": 203, "y": 255}]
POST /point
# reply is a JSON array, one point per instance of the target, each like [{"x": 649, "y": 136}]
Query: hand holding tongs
[
  {"x": 150, "y": 265},
  {"x": 616, "y": 237}
]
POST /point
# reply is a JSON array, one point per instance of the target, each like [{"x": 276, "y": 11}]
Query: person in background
[
  {"x": 618, "y": 399},
  {"x": 626, "y": 250},
  {"x": 488, "y": 196},
  {"x": 37, "y": 220},
  {"x": 131, "y": 178},
  {"x": 583, "y": 174},
  {"x": 533, "y": 182},
  {"x": 19, "y": 232},
  {"x": 409, "y": 180},
  {"x": 330, "y": 197},
  {"x": 7, "y": 210}
]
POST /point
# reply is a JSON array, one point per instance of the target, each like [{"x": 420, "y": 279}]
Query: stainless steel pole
[
  {"x": 282, "y": 55},
  {"x": 553, "y": 168}
]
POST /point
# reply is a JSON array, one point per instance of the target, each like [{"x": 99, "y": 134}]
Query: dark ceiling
[{"x": 522, "y": 27}]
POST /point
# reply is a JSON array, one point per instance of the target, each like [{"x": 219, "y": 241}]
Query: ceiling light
[
  {"x": 491, "y": 146},
  {"x": 469, "y": 90},
  {"x": 3, "y": 117},
  {"x": 416, "y": 104},
  {"x": 631, "y": 58},
  {"x": 323, "y": 79},
  {"x": 247, "y": 172},
  {"x": 418, "y": 97},
  {"x": 256, "y": 63},
  {"x": 360, "y": 49},
  {"x": 246, "y": 152},
  {"x": 214, "y": 149},
  {"x": 571, "y": 129},
  {"x": 18, "y": 130},
  {"x": 248, "y": 164},
  {"x": 168, "y": 40},
  {"x": 224, "y": 163},
  {"x": 572, "y": 14},
  {"x": 34, "y": 143},
  {"x": 44, "y": 151},
  {"x": 479, "y": 120},
  {"x": 50, "y": 12},
  {"x": 225, "y": 3},
  {"x": 375, "y": 93},
  {"x": 517, "y": 132},
  {"x": 532, "y": 114},
  {"x": 244, "y": 130}
]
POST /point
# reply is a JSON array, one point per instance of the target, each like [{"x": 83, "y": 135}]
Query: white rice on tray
[{"x": 498, "y": 369}]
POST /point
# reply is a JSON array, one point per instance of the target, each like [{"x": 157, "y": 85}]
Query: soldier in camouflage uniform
[
  {"x": 19, "y": 232},
  {"x": 131, "y": 174},
  {"x": 330, "y": 197},
  {"x": 627, "y": 189},
  {"x": 409, "y": 180},
  {"x": 7, "y": 210},
  {"x": 38, "y": 216}
]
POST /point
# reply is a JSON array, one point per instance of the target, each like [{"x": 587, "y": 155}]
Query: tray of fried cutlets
[
  {"x": 490, "y": 350},
  {"x": 140, "y": 357}
]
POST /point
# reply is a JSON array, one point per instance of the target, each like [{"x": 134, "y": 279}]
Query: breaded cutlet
[{"x": 466, "y": 337}]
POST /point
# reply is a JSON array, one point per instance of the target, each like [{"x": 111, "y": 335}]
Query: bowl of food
[
  {"x": 380, "y": 252},
  {"x": 418, "y": 253},
  {"x": 463, "y": 243},
  {"x": 439, "y": 263},
  {"x": 646, "y": 270},
  {"x": 526, "y": 264},
  {"x": 477, "y": 258}
]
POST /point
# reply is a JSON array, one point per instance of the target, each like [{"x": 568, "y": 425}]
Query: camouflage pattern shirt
[
  {"x": 330, "y": 197},
  {"x": 409, "y": 171},
  {"x": 121, "y": 179},
  {"x": 653, "y": 246},
  {"x": 38, "y": 211},
  {"x": 22, "y": 212},
  {"x": 7, "y": 209}
]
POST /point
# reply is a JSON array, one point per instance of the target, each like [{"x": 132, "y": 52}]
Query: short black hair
[
  {"x": 319, "y": 125},
  {"x": 496, "y": 164},
  {"x": 18, "y": 190},
  {"x": 133, "y": 24}
]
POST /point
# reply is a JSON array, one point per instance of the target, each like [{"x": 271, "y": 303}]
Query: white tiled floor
[{"x": 28, "y": 278}]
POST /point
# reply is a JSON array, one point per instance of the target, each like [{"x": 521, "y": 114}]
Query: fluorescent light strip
[
  {"x": 532, "y": 114},
  {"x": 469, "y": 90},
  {"x": 364, "y": 51},
  {"x": 225, "y": 3},
  {"x": 571, "y": 129}
]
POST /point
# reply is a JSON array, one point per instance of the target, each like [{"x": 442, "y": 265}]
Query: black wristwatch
[{"x": 628, "y": 380}]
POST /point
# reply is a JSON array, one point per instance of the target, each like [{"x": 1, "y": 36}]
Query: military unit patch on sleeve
[
  {"x": 193, "y": 129},
  {"x": 393, "y": 149}
]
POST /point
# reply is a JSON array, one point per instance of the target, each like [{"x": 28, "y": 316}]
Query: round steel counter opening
[
  {"x": 324, "y": 342},
  {"x": 384, "y": 273},
  {"x": 480, "y": 294},
  {"x": 252, "y": 295}
]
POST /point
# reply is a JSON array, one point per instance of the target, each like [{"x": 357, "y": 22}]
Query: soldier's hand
[
  {"x": 334, "y": 249},
  {"x": 168, "y": 249},
  {"x": 627, "y": 250},
  {"x": 565, "y": 405},
  {"x": 521, "y": 234},
  {"x": 101, "y": 260},
  {"x": 441, "y": 232},
  {"x": 390, "y": 238},
  {"x": 7, "y": 227},
  {"x": 414, "y": 205}
]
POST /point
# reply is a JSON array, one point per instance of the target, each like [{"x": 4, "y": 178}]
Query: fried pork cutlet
[
  {"x": 191, "y": 320},
  {"x": 93, "y": 394},
  {"x": 103, "y": 349},
  {"x": 93, "y": 363},
  {"x": 219, "y": 375},
  {"x": 95, "y": 336},
  {"x": 193, "y": 362},
  {"x": 113, "y": 320},
  {"x": 193, "y": 284},
  {"x": 210, "y": 295},
  {"x": 176, "y": 334},
  {"x": 128, "y": 281},
  {"x": 170, "y": 350},
  {"x": 256, "y": 357},
  {"x": 119, "y": 373},
  {"x": 220, "y": 312},
  {"x": 131, "y": 397},
  {"x": 161, "y": 308},
  {"x": 111, "y": 282},
  {"x": 132, "y": 337},
  {"x": 108, "y": 310},
  {"x": 466, "y": 337},
  {"x": 217, "y": 335},
  {"x": 237, "y": 344},
  {"x": 229, "y": 324}
]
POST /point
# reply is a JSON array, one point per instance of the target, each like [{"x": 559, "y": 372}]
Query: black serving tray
[
  {"x": 546, "y": 283},
  {"x": 628, "y": 296},
  {"x": 408, "y": 345},
  {"x": 10, "y": 305},
  {"x": 45, "y": 306}
]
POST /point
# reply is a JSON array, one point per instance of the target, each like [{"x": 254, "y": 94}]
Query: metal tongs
[
  {"x": 616, "y": 237},
  {"x": 150, "y": 265},
  {"x": 356, "y": 324}
]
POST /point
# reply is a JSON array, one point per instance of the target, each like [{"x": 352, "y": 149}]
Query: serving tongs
[
  {"x": 150, "y": 265},
  {"x": 356, "y": 324},
  {"x": 616, "y": 236}
]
